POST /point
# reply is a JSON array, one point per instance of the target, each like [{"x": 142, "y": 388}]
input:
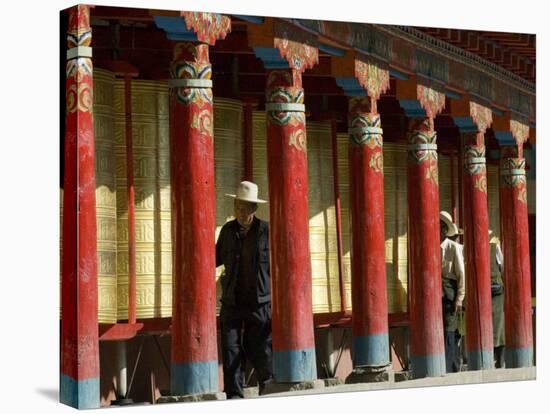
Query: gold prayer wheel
[
  {"x": 343, "y": 178},
  {"x": 259, "y": 160},
  {"x": 395, "y": 219},
  {"x": 106, "y": 207},
  {"x": 229, "y": 163},
  {"x": 445, "y": 187},
  {"x": 322, "y": 219},
  {"x": 150, "y": 126},
  {"x": 151, "y": 166}
]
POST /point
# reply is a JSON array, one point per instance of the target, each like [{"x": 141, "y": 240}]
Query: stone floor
[
  {"x": 465, "y": 377},
  {"x": 334, "y": 385}
]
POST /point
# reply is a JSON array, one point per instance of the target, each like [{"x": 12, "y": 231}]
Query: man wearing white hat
[
  {"x": 454, "y": 287},
  {"x": 245, "y": 316}
]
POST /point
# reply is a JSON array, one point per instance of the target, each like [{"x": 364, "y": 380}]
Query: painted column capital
[
  {"x": 361, "y": 75},
  {"x": 193, "y": 26},
  {"x": 511, "y": 130},
  {"x": 281, "y": 45},
  {"x": 471, "y": 118},
  {"x": 420, "y": 97}
]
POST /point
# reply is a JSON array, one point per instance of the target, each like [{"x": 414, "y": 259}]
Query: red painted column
[
  {"x": 194, "y": 365},
  {"x": 368, "y": 260},
  {"x": 427, "y": 347},
  {"x": 79, "y": 379},
  {"x": 293, "y": 339},
  {"x": 479, "y": 325},
  {"x": 517, "y": 272}
]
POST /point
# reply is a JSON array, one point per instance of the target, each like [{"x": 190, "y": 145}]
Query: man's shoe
[{"x": 262, "y": 385}]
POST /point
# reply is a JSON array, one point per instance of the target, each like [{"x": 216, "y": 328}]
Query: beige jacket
[{"x": 452, "y": 266}]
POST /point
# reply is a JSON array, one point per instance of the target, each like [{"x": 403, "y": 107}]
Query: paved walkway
[{"x": 466, "y": 377}]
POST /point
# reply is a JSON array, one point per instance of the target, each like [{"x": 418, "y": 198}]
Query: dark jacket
[{"x": 227, "y": 249}]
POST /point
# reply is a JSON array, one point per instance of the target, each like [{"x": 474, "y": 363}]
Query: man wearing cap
[
  {"x": 453, "y": 283},
  {"x": 245, "y": 316}
]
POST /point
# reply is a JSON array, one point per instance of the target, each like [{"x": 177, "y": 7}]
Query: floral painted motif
[
  {"x": 376, "y": 162},
  {"x": 79, "y": 98},
  {"x": 432, "y": 100},
  {"x": 209, "y": 27},
  {"x": 298, "y": 140},
  {"x": 481, "y": 115},
  {"x": 372, "y": 77},
  {"x": 481, "y": 183},
  {"x": 202, "y": 122},
  {"x": 432, "y": 174},
  {"x": 296, "y": 46},
  {"x": 522, "y": 195}
]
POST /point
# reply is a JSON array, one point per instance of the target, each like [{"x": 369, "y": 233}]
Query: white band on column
[
  {"x": 190, "y": 83},
  {"x": 366, "y": 130},
  {"x": 474, "y": 160},
  {"x": 422, "y": 147},
  {"x": 285, "y": 107},
  {"x": 513, "y": 171},
  {"x": 79, "y": 51}
]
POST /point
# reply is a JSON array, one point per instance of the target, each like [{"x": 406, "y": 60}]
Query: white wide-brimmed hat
[
  {"x": 452, "y": 229},
  {"x": 247, "y": 191}
]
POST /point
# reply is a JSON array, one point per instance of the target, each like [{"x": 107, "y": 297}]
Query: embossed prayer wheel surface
[
  {"x": 322, "y": 219},
  {"x": 229, "y": 164},
  {"x": 322, "y": 226},
  {"x": 395, "y": 217},
  {"x": 343, "y": 176},
  {"x": 106, "y": 208},
  {"x": 151, "y": 167},
  {"x": 259, "y": 160},
  {"x": 395, "y": 220},
  {"x": 445, "y": 188}
]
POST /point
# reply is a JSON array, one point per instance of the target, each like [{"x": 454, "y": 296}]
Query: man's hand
[{"x": 456, "y": 307}]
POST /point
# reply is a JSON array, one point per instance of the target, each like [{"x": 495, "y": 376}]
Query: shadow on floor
[{"x": 51, "y": 393}]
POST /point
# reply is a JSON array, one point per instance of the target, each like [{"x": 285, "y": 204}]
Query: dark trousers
[
  {"x": 499, "y": 356},
  {"x": 452, "y": 356},
  {"x": 246, "y": 334}
]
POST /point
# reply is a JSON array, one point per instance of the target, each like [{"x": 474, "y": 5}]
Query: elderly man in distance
[
  {"x": 497, "y": 294},
  {"x": 454, "y": 287},
  {"x": 245, "y": 316}
]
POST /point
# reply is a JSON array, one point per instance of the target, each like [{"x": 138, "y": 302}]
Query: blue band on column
[
  {"x": 81, "y": 394},
  {"x": 295, "y": 365},
  {"x": 371, "y": 350},
  {"x": 412, "y": 108},
  {"x": 518, "y": 357},
  {"x": 480, "y": 360},
  {"x": 194, "y": 378},
  {"x": 428, "y": 365}
]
